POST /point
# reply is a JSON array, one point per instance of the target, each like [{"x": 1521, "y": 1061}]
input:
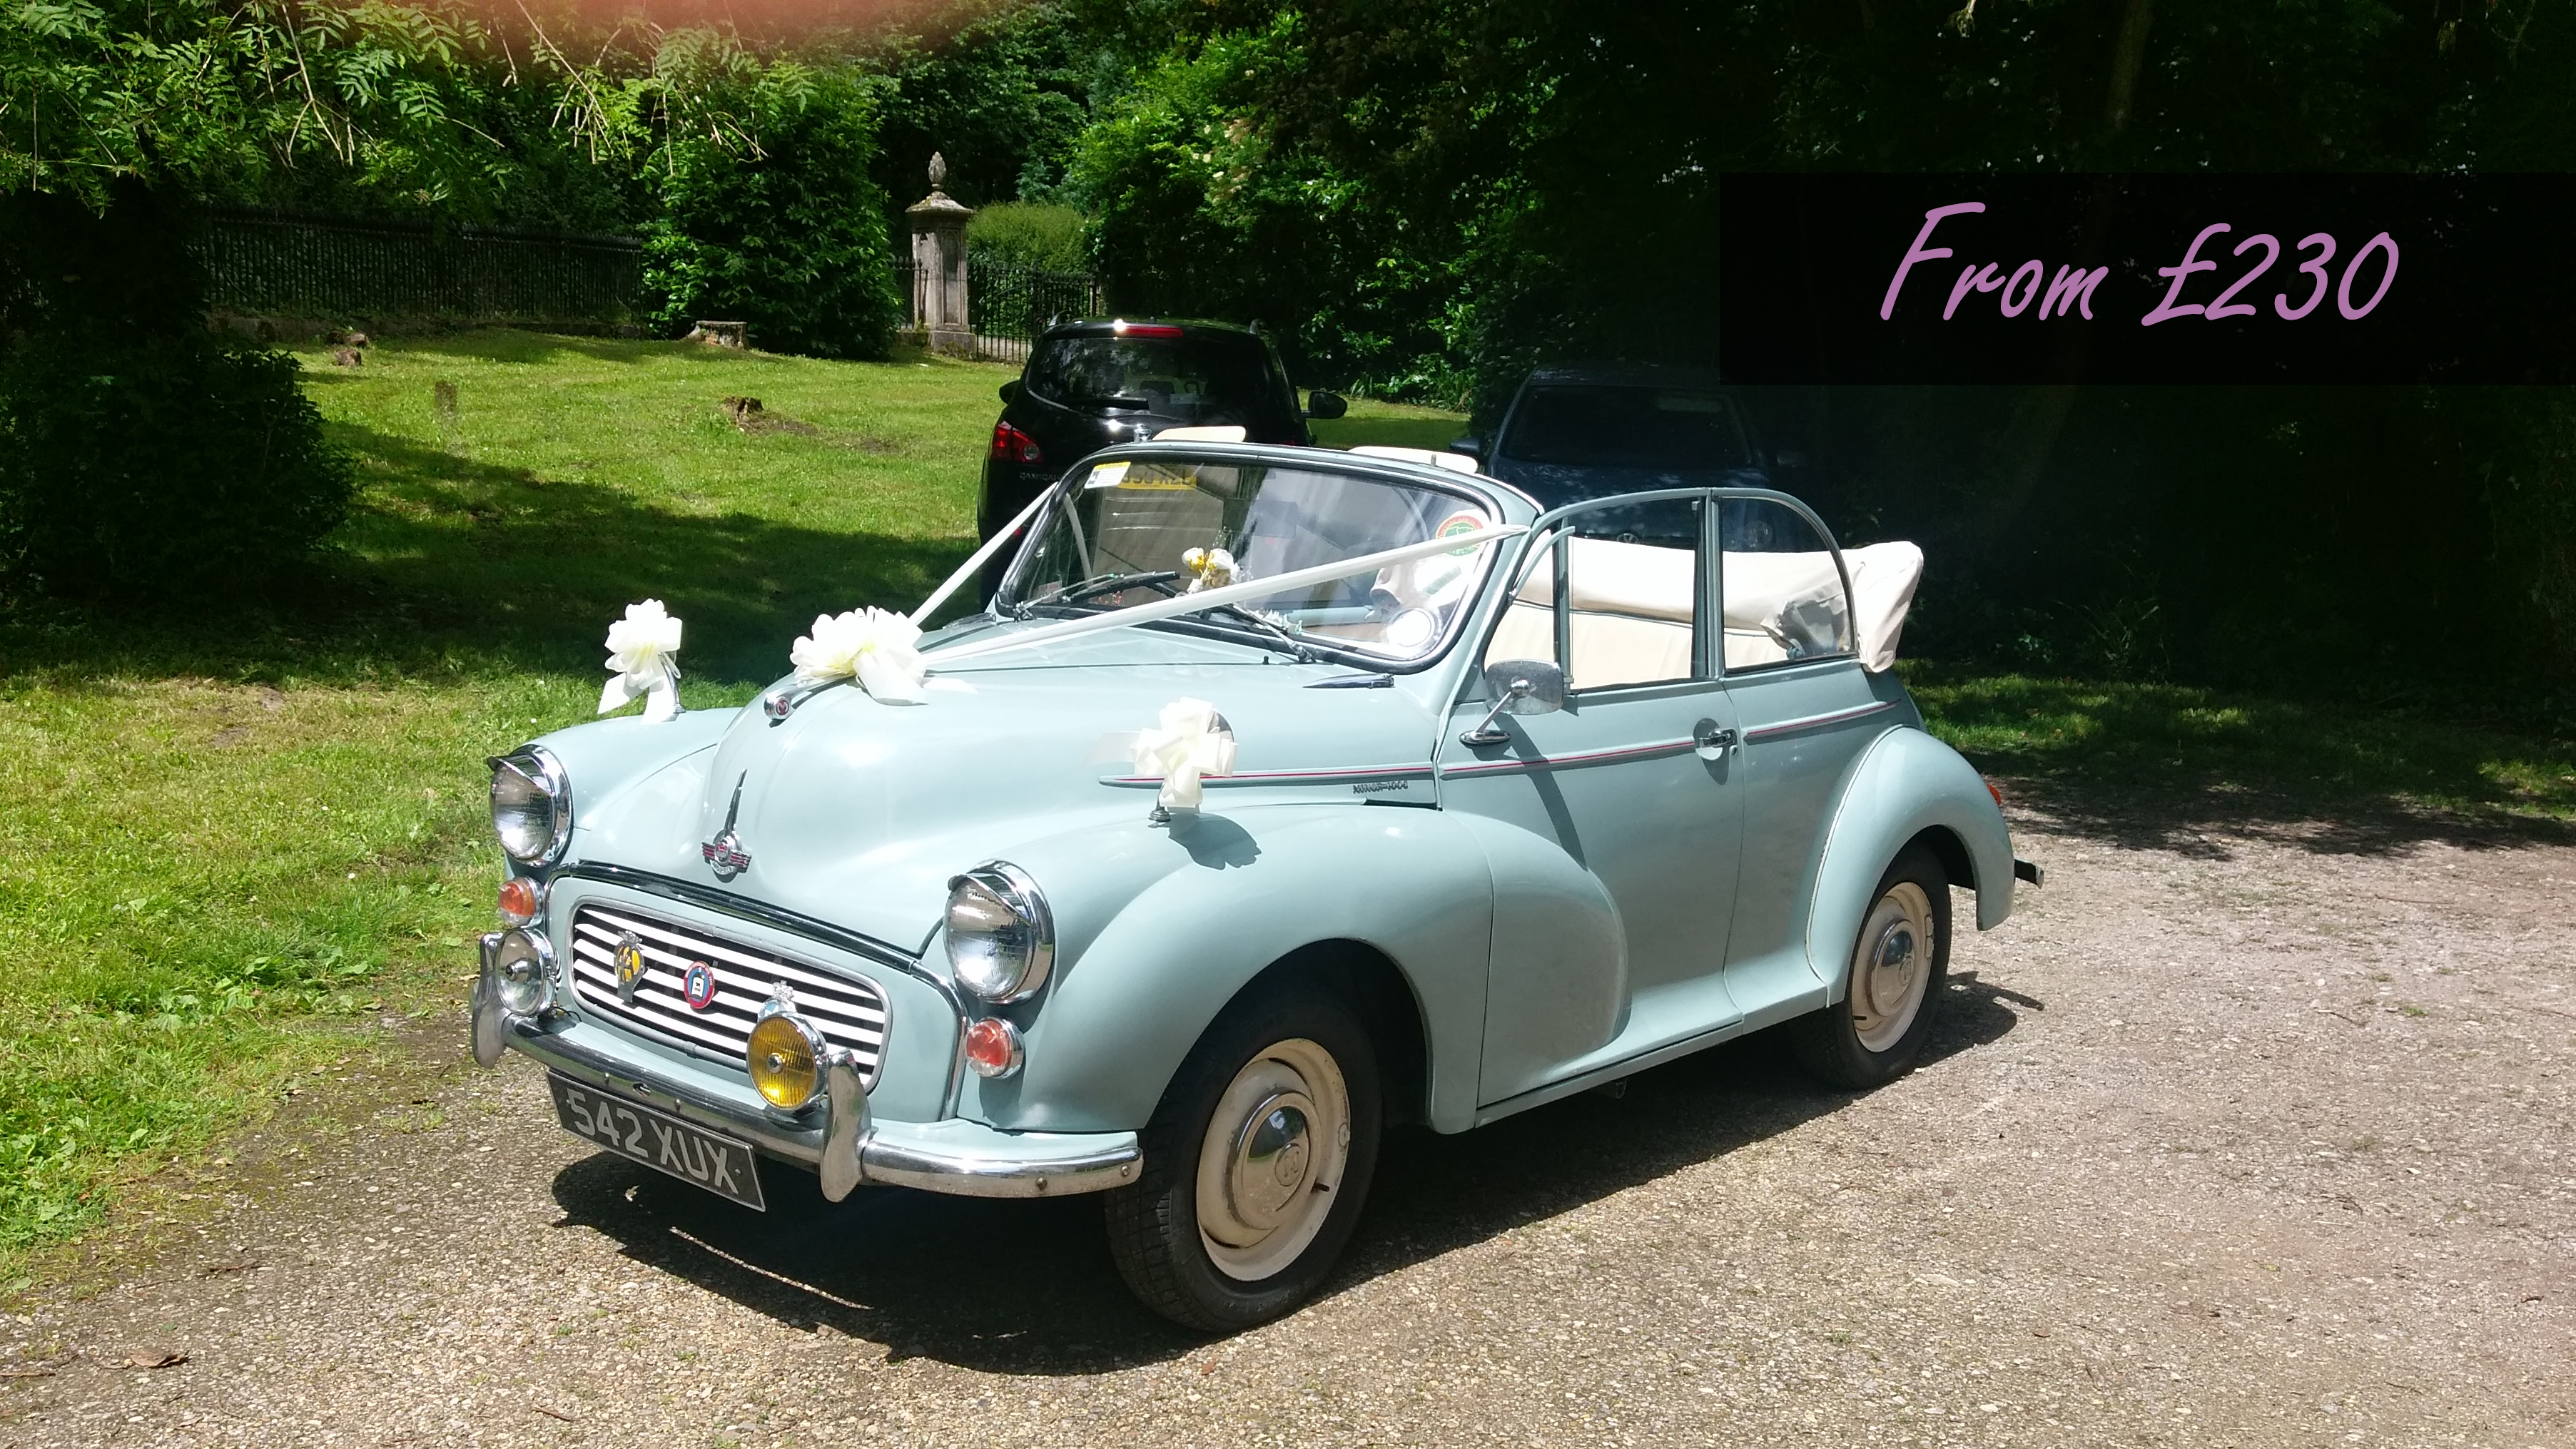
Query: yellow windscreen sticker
[{"x": 1106, "y": 475}]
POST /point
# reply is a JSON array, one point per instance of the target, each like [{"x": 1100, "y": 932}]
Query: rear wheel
[
  {"x": 1256, "y": 1165},
  {"x": 1875, "y": 1033}
]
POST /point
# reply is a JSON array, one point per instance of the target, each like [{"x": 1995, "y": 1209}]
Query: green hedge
[{"x": 141, "y": 456}]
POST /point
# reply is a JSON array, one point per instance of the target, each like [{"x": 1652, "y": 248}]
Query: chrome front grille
[{"x": 850, "y": 1012}]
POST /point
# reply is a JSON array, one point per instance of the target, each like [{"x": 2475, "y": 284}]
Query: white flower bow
[
  {"x": 869, "y": 645},
  {"x": 1210, "y": 568},
  {"x": 640, "y": 647},
  {"x": 1191, "y": 743}
]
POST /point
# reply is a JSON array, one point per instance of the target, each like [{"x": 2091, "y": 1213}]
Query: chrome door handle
[{"x": 1713, "y": 741}]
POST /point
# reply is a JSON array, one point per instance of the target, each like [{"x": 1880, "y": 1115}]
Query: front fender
[
  {"x": 1907, "y": 783},
  {"x": 1159, "y": 927},
  {"x": 627, "y": 803}
]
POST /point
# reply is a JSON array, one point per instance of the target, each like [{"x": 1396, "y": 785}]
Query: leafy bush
[
  {"x": 140, "y": 455},
  {"x": 768, "y": 215},
  {"x": 1030, "y": 233}
]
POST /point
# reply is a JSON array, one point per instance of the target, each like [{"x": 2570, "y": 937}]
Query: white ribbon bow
[
  {"x": 1191, "y": 743},
  {"x": 640, "y": 647},
  {"x": 868, "y": 645}
]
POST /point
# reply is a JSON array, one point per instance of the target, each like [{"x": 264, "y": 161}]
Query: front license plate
[{"x": 659, "y": 1140}]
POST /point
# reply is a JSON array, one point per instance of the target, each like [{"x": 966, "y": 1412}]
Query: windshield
[
  {"x": 1134, "y": 532},
  {"x": 1197, "y": 379},
  {"x": 1626, "y": 427}
]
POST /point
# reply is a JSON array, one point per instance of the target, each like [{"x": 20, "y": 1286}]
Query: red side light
[
  {"x": 1991, "y": 790},
  {"x": 1010, "y": 445},
  {"x": 1144, "y": 329},
  {"x": 992, "y": 1048}
]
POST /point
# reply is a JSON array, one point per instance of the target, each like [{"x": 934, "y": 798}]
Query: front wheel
[
  {"x": 1256, "y": 1165},
  {"x": 1873, "y": 1035}
]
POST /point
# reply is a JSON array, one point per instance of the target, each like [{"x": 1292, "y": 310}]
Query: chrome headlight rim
[
  {"x": 518, "y": 944},
  {"x": 1013, "y": 889},
  {"x": 538, "y": 766}
]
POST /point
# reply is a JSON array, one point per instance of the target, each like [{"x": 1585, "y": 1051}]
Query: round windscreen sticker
[{"x": 1456, "y": 524}]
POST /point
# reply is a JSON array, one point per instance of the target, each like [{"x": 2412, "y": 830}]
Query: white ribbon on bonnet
[
  {"x": 640, "y": 647},
  {"x": 1190, "y": 743},
  {"x": 868, "y": 645}
]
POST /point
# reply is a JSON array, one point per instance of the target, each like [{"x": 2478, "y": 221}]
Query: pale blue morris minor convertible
[{"x": 1462, "y": 841}]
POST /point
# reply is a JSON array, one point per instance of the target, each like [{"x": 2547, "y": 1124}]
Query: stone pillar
[{"x": 939, "y": 252}]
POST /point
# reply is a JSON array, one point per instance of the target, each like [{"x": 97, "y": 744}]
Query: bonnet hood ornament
[{"x": 725, "y": 853}]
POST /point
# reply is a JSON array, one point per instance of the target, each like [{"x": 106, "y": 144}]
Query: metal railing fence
[
  {"x": 267, "y": 261},
  {"x": 1009, "y": 304}
]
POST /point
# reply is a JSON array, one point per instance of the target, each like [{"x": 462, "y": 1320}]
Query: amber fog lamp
[
  {"x": 785, "y": 1055},
  {"x": 521, "y": 900},
  {"x": 526, "y": 965},
  {"x": 993, "y": 1048},
  {"x": 1001, "y": 937}
]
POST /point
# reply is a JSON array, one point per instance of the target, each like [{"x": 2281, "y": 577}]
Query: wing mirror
[
  {"x": 1326, "y": 405},
  {"x": 1010, "y": 392},
  {"x": 1471, "y": 445},
  {"x": 1520, "y": 686}
]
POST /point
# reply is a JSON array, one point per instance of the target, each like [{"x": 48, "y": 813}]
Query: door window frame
[
  {"x": 1544, "y": 536},
  {"x": 1711, "y": 526}
]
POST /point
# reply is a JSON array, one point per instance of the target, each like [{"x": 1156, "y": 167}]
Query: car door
[
  {"x": 1804, "y": 708},
  {"x": 1630, "y": 780}
]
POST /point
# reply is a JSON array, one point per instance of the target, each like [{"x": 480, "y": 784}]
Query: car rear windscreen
[
  {"x": 1625, "y": 426},
  {"x": 1194, "y": 379}
]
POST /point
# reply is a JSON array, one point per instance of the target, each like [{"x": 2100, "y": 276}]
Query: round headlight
[
  {"x": 785, "y": 1055},
  {"x": 531, "y": 806},
  {"x": 526, "y": 965},
  {"x": 1001, "y": 939}
]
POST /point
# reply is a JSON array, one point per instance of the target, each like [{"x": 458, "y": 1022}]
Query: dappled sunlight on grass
[
  {"x": 2174, "y": 737},
  {"x": 229, "y": 841}
]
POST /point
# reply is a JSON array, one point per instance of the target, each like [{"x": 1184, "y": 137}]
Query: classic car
[{"x": 1281, "y": 795}]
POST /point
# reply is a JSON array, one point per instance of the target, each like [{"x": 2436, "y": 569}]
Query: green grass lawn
[
  {"x": 234, "y": 846},
  {"x": 2171, "y": 742}
]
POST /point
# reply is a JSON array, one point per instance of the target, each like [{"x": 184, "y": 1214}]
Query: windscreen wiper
[
  {"x": 1100, "y": 584},
  {"x": 1287, "y": 640}
]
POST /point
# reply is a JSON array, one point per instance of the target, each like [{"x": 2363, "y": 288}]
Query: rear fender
[
  {"x": 1160, "y": 927},
  {"x": 1906, "y": 784}
]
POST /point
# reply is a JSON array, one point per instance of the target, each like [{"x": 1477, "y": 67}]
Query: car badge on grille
[
  {"x": 698, "y": 988},
  {"x": 725, "y": 852},
  {"x": 628, "y": 958}
]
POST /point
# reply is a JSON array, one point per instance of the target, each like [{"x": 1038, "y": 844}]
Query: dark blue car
[{"x": 1575, "y": 433}]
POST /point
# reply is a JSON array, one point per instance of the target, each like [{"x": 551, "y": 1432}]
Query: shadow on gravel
[
  {"x": 2204, "y": 824},
  {"x": 1028, "y": 1287}
]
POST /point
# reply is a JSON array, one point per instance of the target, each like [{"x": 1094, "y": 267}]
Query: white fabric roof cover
[
  {"x": 1775, "y": 596},
  {"x": 1454, "y": 462}
]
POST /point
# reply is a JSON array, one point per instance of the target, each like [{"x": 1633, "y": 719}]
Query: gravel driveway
[{"x": 2245, "y": 1136}]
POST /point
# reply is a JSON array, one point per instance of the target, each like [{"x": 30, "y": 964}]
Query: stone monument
[{"x": 939, "y": 257}]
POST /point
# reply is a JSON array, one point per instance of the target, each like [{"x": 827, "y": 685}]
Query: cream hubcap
[
  {"x": 1892, "y": 966},
  {"x": 1272, "y": 1159}
]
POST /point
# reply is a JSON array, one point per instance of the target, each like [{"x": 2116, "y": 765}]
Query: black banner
[{"x": 2147, "y": 279}]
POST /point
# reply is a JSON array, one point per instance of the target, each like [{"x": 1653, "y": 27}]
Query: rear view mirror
[
  {"x": 1010, "y": 392},
  {"x": 1520, "y": 686},
  {"x": 1326, "y": 405}
]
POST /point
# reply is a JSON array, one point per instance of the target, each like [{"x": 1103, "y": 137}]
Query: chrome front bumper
[{"x": 837, "y": 1136}]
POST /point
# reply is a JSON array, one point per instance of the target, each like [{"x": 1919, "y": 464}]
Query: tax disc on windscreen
[{"x": 1456, "y": 524}]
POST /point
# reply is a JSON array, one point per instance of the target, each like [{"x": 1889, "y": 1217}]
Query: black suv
[{"x": 1089, "y": 385}]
